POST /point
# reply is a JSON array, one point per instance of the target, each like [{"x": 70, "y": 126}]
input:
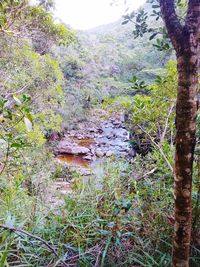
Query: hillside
[{"x": 103, "y": 61}]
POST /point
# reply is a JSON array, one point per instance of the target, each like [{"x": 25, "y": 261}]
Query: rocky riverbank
[{"x": 103, "y": 135}]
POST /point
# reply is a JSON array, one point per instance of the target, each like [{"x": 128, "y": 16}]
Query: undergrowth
[
  {"x": 122, "y": 218},
  {"x": 113, "y": 221}
]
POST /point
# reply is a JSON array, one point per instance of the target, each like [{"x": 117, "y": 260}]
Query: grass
[{"x": 115, "y": 221}]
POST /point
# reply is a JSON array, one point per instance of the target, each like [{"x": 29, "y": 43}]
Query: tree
[
  {"x": 185, "y": 40},
  {"x": 184, "y": 34},
  {"x": 20, "y": 19}
]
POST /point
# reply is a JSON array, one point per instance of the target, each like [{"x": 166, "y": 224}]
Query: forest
[{"x": 99, "y": 137}]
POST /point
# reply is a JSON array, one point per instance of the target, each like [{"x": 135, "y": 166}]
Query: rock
[
  {"x": 116, "y": 123},
  {"x": 65, "y": 147},
  {"x": 99, "y": 153},
  {"x": 102, "y": 144},
  {"x": 92, "y": 130},
  {"x": 88, "y": 157},
  {"x": 124, "y": 149},
  {"x": 65, "y": 192},
  {"x": 89, "y": 136},
  {"x": 122, "y": 118},
  {"x": 100, "y": 130},
  {"x": 59, "y": 185},
  {"x": 132, "y": 153},
  {"x": 85, "y": 172},
  {"x": 109, "y": 153},
  {"x": 123, "y": 154},
  {"x": 79, "y": 136},
  {"x": 72, "y": 133},
  {"x": 94, "y": 158},
  {"x": 92, "y": 151},
  {"x": 55, "y": 136}
]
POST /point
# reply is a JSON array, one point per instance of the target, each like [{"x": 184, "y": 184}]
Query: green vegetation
[{"x": 51, "y": 79}]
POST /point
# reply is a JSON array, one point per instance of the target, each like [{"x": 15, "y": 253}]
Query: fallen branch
[
  {"x": 17, "y": 230},
  {"x": 166, "y": 124},
  {"x": 147, "y": 174},
  {"x": 17, "y": 92},
  {"x": 72, "y": 258},
  {"x": 159, "y": 148}
]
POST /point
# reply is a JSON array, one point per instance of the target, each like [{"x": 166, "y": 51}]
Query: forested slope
[{"x": 103, "y": 60}]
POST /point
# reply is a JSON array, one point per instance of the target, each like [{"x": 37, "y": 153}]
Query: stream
[{"x": 85, "y": 149}]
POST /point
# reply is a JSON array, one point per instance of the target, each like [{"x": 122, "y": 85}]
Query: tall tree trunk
[
  {"x": 185, "y": 41},
  {"x": 186, "y": 112}
]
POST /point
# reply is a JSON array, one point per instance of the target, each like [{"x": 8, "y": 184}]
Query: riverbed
[{"x": 85, "y": 149}]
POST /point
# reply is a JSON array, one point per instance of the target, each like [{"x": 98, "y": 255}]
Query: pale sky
[{"x": 87, "y": 14}]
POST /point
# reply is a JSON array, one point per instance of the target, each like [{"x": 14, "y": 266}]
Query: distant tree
[
  {"x": 35, "y": 22},
  {"x": 183, "y": 33}
]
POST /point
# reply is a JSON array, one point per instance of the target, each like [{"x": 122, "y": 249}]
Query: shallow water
[
  {"x": 112, "y": 138},
  {"x": 74, "y": 160}
]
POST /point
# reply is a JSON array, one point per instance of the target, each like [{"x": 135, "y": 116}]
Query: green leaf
[
  {"x": 17, "y": 145},
  {"x": 152, "y": 36},
  {"x": 28, "y": 124},
  {"x": 3, "y": 258},
  {"x": 156, "y": 6},
  {"x": 17, "y": 100},
  {"x": 1, "y": 6},
  {"x": 125, "y": 22},
  {"x": 8, "y": 114},
  {"x": 2, "y": 102}
]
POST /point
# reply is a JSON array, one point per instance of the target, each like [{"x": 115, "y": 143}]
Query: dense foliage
[{"x": 50, "y": 80}]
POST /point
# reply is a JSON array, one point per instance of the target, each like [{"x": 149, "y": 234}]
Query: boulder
[
  {"x": 65, "y": 147},
  {"x": 116, "y": 122},
  {"x": 109, "y": 153},
  {"x": 99, "y": 153},
  {"x": 132, "y": 153}
]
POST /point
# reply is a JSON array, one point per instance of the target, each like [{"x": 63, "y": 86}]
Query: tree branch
[
  {"x": 172, "y": 22},
  {"x": 147, "y": 174}
]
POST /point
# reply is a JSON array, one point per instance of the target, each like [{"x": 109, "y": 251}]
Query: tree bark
[
  {"x": 186, "y": 112},
  {"x": 185, "y": 41}
]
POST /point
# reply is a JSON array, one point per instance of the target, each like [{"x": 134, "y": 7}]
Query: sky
[{"x": 87, "y": 14}]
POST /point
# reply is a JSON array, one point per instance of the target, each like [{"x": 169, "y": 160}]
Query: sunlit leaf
[
  {"x": 17, "y": 100},
  {"x": 28, "y": 124}
]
